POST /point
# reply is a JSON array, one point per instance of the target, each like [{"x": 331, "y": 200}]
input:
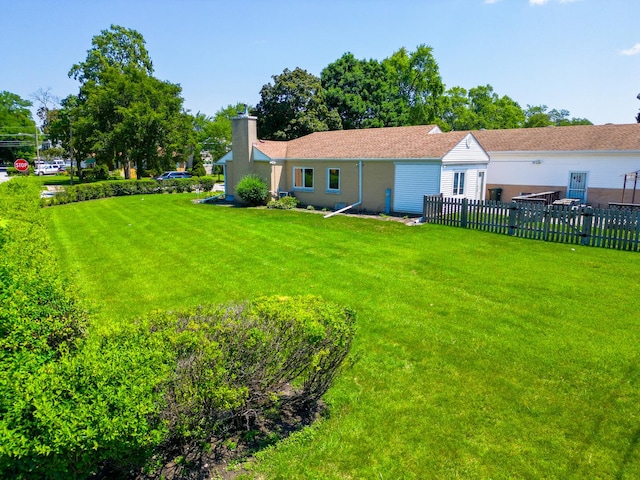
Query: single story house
[
  {"x": 379, "y": 169},
  {"x": 593, "y": 163}
]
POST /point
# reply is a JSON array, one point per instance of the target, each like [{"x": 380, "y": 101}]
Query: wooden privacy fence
[{"x": 597, "y": 227}]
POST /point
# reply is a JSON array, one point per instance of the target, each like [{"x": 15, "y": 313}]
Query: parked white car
[
  {"x": 61, "y": 164},
  {"x": 47, "y": 169}
]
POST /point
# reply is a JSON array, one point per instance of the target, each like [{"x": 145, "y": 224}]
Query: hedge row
[
  {"x": 119, "y": 188},
  {"x": 39, "y": 311},
  {"x": 41, "y": 319}
]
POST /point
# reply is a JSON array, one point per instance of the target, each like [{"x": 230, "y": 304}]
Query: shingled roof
[
  {"x": 569, "y": 138},
  {"x": 391, "y": 142}
]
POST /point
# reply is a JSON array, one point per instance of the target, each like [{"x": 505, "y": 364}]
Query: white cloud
[
  {"x": 635, "y": 50},
  {"x": 490, "y": 2}
]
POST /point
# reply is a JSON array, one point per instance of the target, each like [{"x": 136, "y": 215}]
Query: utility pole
[
  {"x": 37, "y": 151},
  {"x": 71, "y": 152}
]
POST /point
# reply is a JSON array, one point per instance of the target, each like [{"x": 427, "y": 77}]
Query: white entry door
[{"x": 480, "y": 186}]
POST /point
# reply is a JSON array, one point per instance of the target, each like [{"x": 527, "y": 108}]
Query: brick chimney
[{"x": 244, "y": 133}]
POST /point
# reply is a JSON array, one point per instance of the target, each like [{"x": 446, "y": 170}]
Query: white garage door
[{"x": 412, "y": 182}]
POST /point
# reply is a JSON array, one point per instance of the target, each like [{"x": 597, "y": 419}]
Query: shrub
[
  {"x": 87, "y": 175},
  {"x": 101, "y": 172},
  {"x": 38, "y": 312},
  {"x": 253, "y": 190},
  {"x": 198, "y": 170},
  {"x": 284, "y": 203},
  {"x": 41, "y": 322},
  {"x": 117, "y": 188},
  {"x": 85, "y": 410},
  {"x": 91, "y": 191},
  {"x": 206, "y": 183},
  {"x": 238, "y": 368}
]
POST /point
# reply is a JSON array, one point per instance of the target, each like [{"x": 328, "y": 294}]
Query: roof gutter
[{"x": 359, "y": 194}]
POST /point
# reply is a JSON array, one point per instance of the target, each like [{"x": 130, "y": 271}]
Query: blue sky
[{"x": 579, "y": 55}]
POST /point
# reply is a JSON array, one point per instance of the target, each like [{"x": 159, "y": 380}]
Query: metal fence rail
[{"x": 607, "y": 228}]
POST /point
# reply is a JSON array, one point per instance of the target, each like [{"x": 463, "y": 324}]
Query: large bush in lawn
[
  {"x": 253, "y": 190},
  {"x": 249, "y": 368}
]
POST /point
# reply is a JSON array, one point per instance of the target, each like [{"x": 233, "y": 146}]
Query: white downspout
[{"x": 359, "y": 194}]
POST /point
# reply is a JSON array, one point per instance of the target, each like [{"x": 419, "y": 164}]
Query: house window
[
  {"x": 303, "y": 178},
  {"x": 333, "y": 180},
  {"x": 458, "y": 183}
]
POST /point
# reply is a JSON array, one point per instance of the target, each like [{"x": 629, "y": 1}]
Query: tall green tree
[
  {"x": 139, "y": 121},
  {"x": 561, "y": 118},
  {"x": 361, "y": 92},
  {"x": 540, "y": 116},
  {"x": 17, "y": 128},
  {"x": 457, "y": 115},
  {"x": 213, "y": 134},
  {"x": 117, "y": 47},
  {"x": 416, "y": 75},
  {"x": 481, "y": 108},
  {"x": 493, "y": 111},
  {"x": 537, "y": 116},
  {"x": 71, "y": 128},
  {"x": 294, "y": 105},
  {"x": 122, "y": 114}
]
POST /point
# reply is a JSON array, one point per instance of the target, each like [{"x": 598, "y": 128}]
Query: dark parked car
[{"x": 173, "y": 175}]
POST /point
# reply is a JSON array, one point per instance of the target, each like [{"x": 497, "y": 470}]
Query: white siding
[
  {"x": 412, "y": 181},
  {"x": 468, "y": 157},
  {"x": 605, "y": 169},
  {"x": 472, "y": 190},
  {"x": 466, "y": 151}
]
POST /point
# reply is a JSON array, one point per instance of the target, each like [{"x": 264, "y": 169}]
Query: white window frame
[
  {"x": 329, "y": 189},
  {"x": 458, "y": 182},
  {"x": 303, "y": 187}
]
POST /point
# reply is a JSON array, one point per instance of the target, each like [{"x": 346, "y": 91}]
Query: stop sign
[{"x": 21, "y": 165}]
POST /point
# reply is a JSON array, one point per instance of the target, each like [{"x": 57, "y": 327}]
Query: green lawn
[{"x": 480, "y": 355}]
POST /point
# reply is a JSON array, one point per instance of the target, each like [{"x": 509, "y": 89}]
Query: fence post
[
  {"x": 547, "y": 217},
  {"x": 587, "y": 225},
  {"x": 513, "y": 218},
  {"x": 463, "y": 212},
  {"x": 424, "y": 209}
]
